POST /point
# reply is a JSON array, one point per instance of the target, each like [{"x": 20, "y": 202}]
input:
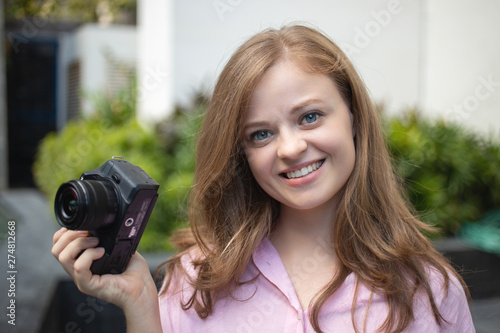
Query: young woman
[{"x": 297, "y": 223}]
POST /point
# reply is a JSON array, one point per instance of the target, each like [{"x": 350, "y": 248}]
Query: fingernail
[{"x": 63, "y": 230}]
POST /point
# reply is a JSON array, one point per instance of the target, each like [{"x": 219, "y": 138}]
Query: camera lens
[
  {"x": 86, "y": 204},
  {"x": 69, "y": 203}
]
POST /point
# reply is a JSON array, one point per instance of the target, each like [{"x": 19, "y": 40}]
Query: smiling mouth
[{"x": 303, "y": 171}]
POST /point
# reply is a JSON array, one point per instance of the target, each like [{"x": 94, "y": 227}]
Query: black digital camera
[{"x": 114, "y": 203}]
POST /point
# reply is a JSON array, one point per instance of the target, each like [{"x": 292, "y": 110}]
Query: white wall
[
  {"x": 439, "y": 55},
  {"x": 463, "y": 65},
  {"x": 381, "y": 35},
  {"x": 432, "y": 54},
  {"x": 92, "y": 43}
]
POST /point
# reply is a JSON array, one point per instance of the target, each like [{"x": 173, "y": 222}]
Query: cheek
[
  {"x": 334, "y": 139},
  {"x": 254, "y": 161},
  {"x": 346, "y": 155},
  {"x": 260, "y": 163},
  {"x": 339, "y": 145}
]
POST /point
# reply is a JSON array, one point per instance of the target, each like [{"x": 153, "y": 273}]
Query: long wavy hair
[{"x": 375, "y": 235}]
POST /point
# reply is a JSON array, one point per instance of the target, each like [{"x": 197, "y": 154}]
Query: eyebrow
[
  {"x": 305, "y": 103},
  {"x": 296, "y": 108}
]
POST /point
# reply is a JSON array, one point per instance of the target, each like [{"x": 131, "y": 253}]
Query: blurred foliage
[
  {"x": 451, "y": 175},
  {"x": 164, "y": 152},
  {"x": 75, "y": 10}
]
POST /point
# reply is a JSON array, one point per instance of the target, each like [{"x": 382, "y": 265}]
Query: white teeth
[{"x": 304, "y": 171}]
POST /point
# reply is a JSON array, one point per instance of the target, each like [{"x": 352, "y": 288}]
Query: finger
[
  {"x": 64, "y": 239},
  {"x": 58, "y": 235},
  {"x": 71, "y": 252},
  {"x": 82, "y": 274}
]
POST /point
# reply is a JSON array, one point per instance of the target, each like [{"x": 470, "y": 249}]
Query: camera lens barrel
[{"x": 86, "y": 204}]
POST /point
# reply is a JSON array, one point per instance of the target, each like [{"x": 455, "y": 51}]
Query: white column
[{"x": 154, "y": 65}]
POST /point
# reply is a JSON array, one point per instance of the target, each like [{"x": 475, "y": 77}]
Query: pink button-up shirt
[{"x": 270, "y": 304}]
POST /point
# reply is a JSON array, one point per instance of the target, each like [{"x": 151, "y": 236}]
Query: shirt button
[{"x": 298, "y": 316}]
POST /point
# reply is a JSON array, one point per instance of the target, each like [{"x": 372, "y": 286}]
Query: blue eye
[
  {"x": 310, "y": 118},
  {"x": 260, "y": 135}
]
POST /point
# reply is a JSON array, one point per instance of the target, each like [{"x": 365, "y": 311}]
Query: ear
[{"x": 352, "y": 124}]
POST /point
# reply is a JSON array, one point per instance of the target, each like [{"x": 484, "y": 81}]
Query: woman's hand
[{"x": 133, "y": 290}]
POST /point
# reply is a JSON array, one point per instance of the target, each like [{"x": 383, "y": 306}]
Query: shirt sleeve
[
  {"x": 172, "y": 315},
  {"x": 170, "y": 307},
  {"x": 452, "y": 305}
]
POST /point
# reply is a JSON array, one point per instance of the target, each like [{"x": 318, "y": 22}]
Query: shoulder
[
  {"x": 177, "y": 300},
  {"x": 445, "y": 287},
  {"x": 450, "y": 300},
  {"x": 182, "y": 271},
  {"x": 175, "y": 295}
]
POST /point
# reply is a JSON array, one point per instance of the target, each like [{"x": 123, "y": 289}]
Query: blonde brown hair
[{"x": 375, "y": 234}]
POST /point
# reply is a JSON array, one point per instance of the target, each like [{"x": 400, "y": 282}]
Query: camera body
[{"x": 113, "y": 202}]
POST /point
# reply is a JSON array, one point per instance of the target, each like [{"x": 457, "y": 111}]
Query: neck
[
  {"x": 301, "y": 231},
  {"x": 303, "y": 240}
]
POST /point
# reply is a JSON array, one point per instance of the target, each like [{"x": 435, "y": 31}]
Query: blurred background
[{"x": 82, "y": 81}]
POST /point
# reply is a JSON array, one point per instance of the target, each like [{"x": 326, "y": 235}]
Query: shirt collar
[{"x": 269, "y": 263}]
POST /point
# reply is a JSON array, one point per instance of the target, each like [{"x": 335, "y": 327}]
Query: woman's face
[{"x": 298, "y": 137}]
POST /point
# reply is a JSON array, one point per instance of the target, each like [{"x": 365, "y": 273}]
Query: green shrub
[
  {"x": 451, "y": 175},
  {"x": 166, "y": 155}
]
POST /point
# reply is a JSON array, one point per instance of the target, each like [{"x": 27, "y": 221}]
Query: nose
[{"x": 291, "y": 144}]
